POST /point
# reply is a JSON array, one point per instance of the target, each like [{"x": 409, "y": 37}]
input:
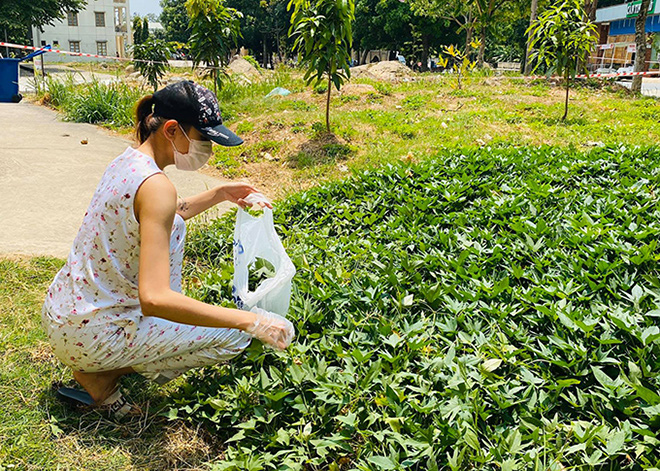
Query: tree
[
  {"x": 323, "y": 31},
  {"x": 214, "y": 30},
  {"x": 17, "y": 16},
  {"x": 469, "y": 15},
  {"x": 150, "y": 59},
  {"x": 562, "y": 40},
  {"x": 396, "y": 25},
  {"x": 140, "y": 29},
  {"x": 640, "y": 45},
  {"x": 459, "y": 12},
  {"x": 175, "y": 21},
  {"x": 263, "y": 27}
]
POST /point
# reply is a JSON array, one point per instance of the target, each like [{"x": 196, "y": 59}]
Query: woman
[{"x": 116, "y": 306}]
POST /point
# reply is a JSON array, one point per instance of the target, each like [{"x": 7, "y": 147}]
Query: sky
[{"x": 142, "y": 7}]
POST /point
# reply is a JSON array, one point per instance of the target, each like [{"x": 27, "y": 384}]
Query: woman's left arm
[{"x": 234, "y": 192}]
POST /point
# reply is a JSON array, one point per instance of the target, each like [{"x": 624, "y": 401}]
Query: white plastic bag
[{"x": 255, "y": 238}]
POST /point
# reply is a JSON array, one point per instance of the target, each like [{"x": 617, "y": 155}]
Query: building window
[
  {"x": 72, "y": 18},
  {"x": 43, "y": 42},
  {"x": 102, "y": 48},
  {"x": 100, "y": 18},
  {"x": 74, "y": 46},
  {"x": 56, "y": 44}
]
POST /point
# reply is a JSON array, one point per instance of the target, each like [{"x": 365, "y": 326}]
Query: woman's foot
[{"x": 100, "y": 385}]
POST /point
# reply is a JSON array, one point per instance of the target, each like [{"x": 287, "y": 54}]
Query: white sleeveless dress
[{"x": 92, "y": 312}]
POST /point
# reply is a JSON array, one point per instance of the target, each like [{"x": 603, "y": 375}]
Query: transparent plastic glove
[{"x": 272, "y": 329}]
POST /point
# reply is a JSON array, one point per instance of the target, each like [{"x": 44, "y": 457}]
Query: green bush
[
  {"x": 486, "y": 309},
  {"x": 111, "y": 104},
  {"x": 383, "y": 88},
  {"x": 321, "y": 88}
]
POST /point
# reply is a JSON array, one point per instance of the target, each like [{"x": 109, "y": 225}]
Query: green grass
[
  {"x": 396, "y": 120},
  {"x": 38, "y": 433}
]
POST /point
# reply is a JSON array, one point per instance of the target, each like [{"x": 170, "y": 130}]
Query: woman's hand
[
  {"x": 272, "y": 329},
  {"x": 237, "y": 192}
]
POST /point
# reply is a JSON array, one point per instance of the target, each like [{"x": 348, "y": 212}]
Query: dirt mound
[
  {"x": 362, "y": 71},
  {"x": 357, "y": 89},
  {"x": 240, "y": 67},
  {"x": 392, "y": 71}
]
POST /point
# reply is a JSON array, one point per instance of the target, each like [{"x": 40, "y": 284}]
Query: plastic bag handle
[{"x": 255, "y": 198}]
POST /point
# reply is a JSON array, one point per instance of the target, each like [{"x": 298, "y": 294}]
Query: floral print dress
[{"x": 92, "y": 312}]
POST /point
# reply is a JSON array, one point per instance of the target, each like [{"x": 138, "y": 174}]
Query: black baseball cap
[{"x": 190, "y": 103}]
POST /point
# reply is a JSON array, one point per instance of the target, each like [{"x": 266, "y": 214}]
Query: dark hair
[{"x": 146, "y": 123}]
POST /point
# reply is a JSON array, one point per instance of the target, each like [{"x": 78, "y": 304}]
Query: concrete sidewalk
[{"x": 47, "y": 178}]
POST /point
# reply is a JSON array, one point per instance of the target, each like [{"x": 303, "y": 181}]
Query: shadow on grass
[
  {"x": 146, "y": 440},
  {"x": 324, "y": 148}
]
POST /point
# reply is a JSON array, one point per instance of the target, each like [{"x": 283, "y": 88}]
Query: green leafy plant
[
  {"x": 323, "y": 34},
  {"x": 485, "y": 309},
  {"x": 461, "y": 64},
  {"x": 561, "y": 39},
  {"x": 252, "y": 61},
  {"x": 150, "y": 59},
  {"x": 215, "y": 29}
]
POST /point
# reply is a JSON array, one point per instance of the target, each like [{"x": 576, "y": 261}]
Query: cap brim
[{"x": 221, "y": 134}]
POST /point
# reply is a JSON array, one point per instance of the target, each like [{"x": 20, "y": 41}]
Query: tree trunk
[
  {"x": 264, "y": 60},
  {"x": 482, "y": 47},
  {"x": 425, "y": 53},
  {"x": 279, "y": 47},
  {"x": 568, "y": 84},
  {"x": 532, "y": 19},
  {"x": 640, "y": 45},
  {"x": 593, "y": 6},
  {"x": 468, "y": 40},
  {"x": 327, "y": 105}
]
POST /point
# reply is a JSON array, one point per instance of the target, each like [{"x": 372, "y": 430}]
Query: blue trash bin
[
  {"x": 9, "y": 81},
  {"x": 9, "y": 76}
]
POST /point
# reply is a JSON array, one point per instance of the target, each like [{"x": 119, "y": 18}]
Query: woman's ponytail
[{"x": 145, "y": 122}]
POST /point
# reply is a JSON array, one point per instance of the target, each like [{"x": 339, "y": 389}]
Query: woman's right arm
[{"x": 155, "y": 207}]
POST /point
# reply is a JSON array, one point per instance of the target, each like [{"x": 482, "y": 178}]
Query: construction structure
[
  {"x": 103, "y": 27},
  {"x": 616, "y": 36}
]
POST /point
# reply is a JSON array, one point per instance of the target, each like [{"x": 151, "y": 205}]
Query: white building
[{"x": 103, "y": 27}]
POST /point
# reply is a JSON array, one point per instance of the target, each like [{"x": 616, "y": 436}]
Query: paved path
[
  {"x": 650, "y": 86},
  {"x": 47, "y": 178}
]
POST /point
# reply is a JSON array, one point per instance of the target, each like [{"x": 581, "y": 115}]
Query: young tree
[
  {"x": 140, "y": 29},
  {"x": 640, "y": 45},
  {"x": 323, "y": 31},
  {"x": 562, "y": 38},
  {"x": 215, "y": 29},
  {"x": 150, "y": 59}
]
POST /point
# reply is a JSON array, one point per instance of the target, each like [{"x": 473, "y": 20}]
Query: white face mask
[{"x": 199, "y": 152}]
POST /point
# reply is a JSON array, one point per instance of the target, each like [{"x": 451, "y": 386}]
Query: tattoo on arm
[{"x": 183, "y": 205}]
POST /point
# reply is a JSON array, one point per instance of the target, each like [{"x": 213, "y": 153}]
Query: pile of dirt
[
  {"x": 242, "y": 68},
  {"x": 392, "y": 71},
  {"x": 357, "y": 89}
]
